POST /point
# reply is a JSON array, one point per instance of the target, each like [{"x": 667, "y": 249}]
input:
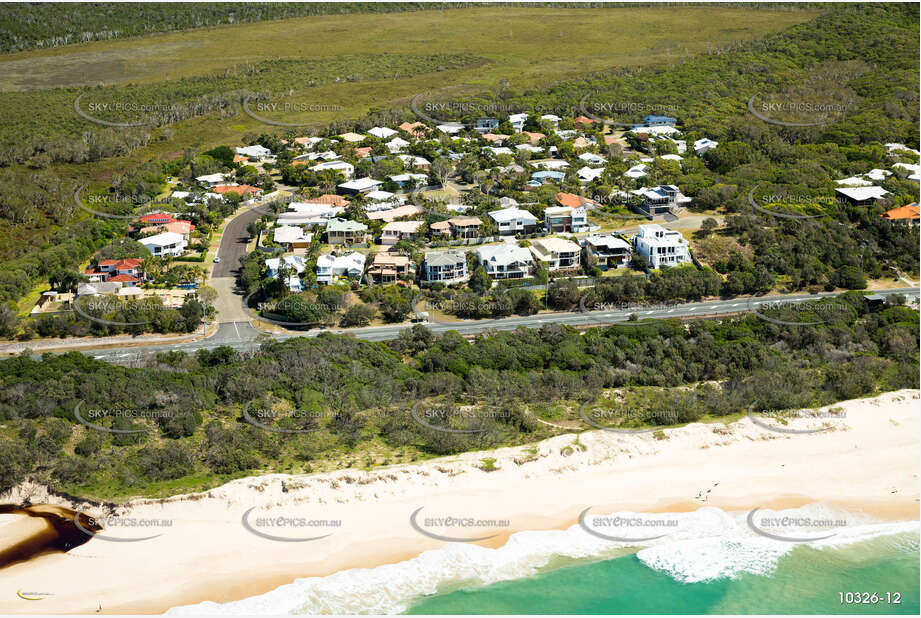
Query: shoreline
[{"x": 867, "y": 464}]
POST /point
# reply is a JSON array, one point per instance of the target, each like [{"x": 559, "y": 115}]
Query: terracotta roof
[
  {"x": 461, "y": 221},
  {"x": 534, "y": 137},
  {"x": 583, "y": 120},
  {"x": 179, "y": 227},
  {"x": 241, "y": 189},
  {"x": 909, "y": 211},
  {"x": 240, "y": 158},
  {"x": 571, "y": 200},
  {"x": 494, "y": 137},
  {"x": 412, "y": 127},
  {"x": 363, "y": 152},
  {"x": 159, "y": 217},
  {"x": 124, "y": 263},
  {"x": 123, "y": 279},
  {"x": 440, "y": 225}
]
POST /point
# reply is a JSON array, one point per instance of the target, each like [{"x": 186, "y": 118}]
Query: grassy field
[
  {"x": 350, "y": 66},
  {"x": 526, "y": 45}
]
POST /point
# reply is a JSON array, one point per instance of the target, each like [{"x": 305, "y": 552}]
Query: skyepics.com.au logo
[
  {"x": 148, "y": 205},
  {"x": 795, "y": 111},
  {"x": 793, "y": 528},
  {"x": 800, "y": 312},
  {"x": 601, "y": 417},
  {"x": 285, "y": 111},
  {"x": 788, "y": 200},
  {"x": 132, "y": 113},
  {"x": 92, "y": 308},
  {"x": 450, "y": 418},
  {"x": 779, "y": 421},
  {"x": 625, "y": 314},
  {"x": 626, "y": 112},
  {"x": 627, "y": 527},
  {"x": 456, "y": 527},
  {"x": 289, "y": 421},
  {"x": 86, "y": 416},
  {"x": 288, "y": 526},
  {"x": 295, "y": 311},
  {"x": 116, "y": 525}
]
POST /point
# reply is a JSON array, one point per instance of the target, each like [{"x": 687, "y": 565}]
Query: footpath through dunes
[{"x": 866, "y": 462}]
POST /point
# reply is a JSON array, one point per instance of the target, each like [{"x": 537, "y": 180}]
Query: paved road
[
  {"x": 233, "y": 244},
  {"x": 242, "y": 336}
]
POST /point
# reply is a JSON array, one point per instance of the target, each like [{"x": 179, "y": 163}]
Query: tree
[
  {"x": 441, "y": 169},
  {"x": 480, "y": 281}
]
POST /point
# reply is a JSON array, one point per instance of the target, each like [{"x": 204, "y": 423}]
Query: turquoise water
[{"x": 805, "y": 581}]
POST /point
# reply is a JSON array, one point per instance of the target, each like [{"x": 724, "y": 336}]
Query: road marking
[{"x": 236, "y": 329}]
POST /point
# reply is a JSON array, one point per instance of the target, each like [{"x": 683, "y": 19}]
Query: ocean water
[
  {"x": 710, "y": 562},
  {"x": 805, "y": 581}
]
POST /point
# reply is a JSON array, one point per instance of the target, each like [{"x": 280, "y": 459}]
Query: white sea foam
[{"x": 705, "y": 545}]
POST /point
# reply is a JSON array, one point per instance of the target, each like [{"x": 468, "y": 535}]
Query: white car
[{"x": 217, "y": 260}]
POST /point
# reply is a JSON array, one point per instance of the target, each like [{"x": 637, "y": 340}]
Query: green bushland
[{"x": 357, "y": 397}]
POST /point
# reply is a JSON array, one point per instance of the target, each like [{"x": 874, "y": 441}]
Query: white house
[
  {"x": 254, "y": 152},
  {"x": 330, "y": 266},
  {"x": 703, "y": 145},
  {"x": 550, "y": 164},
  {"x": 854, "y": 181},
  {"x": 660, "y": 246},
  {"x": 360, "y": 185},
  {"x": 293, "y": 264},
  {"x": 211, "y": 180},
  {"x": 397, "y": 144},
  {"x": 505, "y": 261},
  {"x": 167, "y": 243},
  {"x": 517, "y": 121},
  {"x": 553, "y": 119},
  {"x": 499, "y": 150},
  {"x": 292, "y": 237},
  {"x": 382, "y": 132},
  {"x": 343, "y": 167},
  {"x": 671, "y": 157},
  {"x": 591, "y": 158},
  {"x": 556, "y": 253},
  {"x": 861, "y": 196},
  {"x": 513, "y": 220},
  {"x": 660, "y": 199},
  {"x": 450, "y": 128},
  {"x": 588, "y": 174},
  {"x": 637, "y": 171},
  {"x": 395, "y": 231},
  {"x": 655, "y": 130},
  {"x": 413, "y": 161}
]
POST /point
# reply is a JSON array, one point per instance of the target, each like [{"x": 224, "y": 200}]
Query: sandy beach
[{"x": 216, "y": 549}]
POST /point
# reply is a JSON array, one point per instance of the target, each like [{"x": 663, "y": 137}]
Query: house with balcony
[
  {"x": 291, "y": 237},
  {"x": 445, "y": 267},
  {"x": 505, "y": 261},
  {"x": 609, "y": 250},
  {"x": 660, "y": 200},
  {"x": 345, "y": 232},
  {"x": 395, "y": 231},
  {"x": 559, "y": 219},
  {"x": 517, "y": 121},
  {"x": 293, "y": 265},
  {"x": 514, "y": 220},
  {"x": 166, "y": 243},
  {"x": 331, "y": 267},
  {"x": 661, "y": 246},
  {"x": 556, "y": 253},
  {"x": 390, "y": 267},
  {"x": 485, "y": 125}
]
